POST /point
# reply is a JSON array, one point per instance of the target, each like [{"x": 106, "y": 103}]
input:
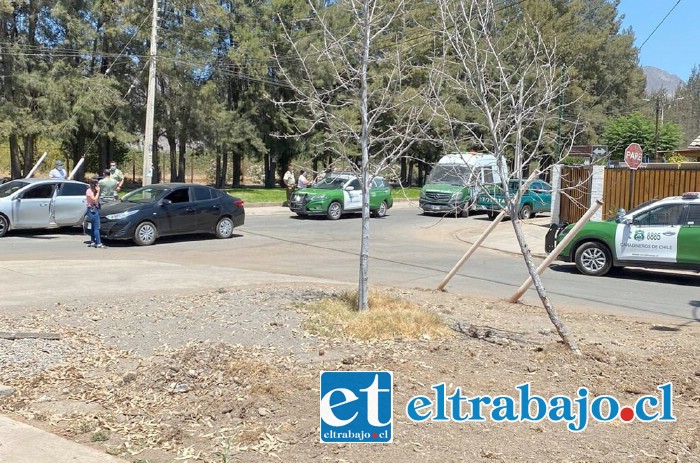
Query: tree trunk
[
  {"x": 224, "y": 167},
  {"x": 172, "y": 148},
  {"x": 155, "y": 178},
  {"x": 236, "y": 180},
  {"x": 182, "y": 151},
  {"x": 29, "y": 146},
  {"x": 363, "y": 289},
  {"x": 537, "y": 281},
  {"x": 217, "y": 174},
  {"x": 269, "y": 171},
  {"x": 422, "y": 174},
  {"x": 15, "y": 158},
  {"x": 409, "y": 179},
  {"x": 403, "y": 174}
]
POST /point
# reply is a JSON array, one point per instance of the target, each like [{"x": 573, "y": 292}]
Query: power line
[
  {"x": 659, "y": 25},
  {"x": 607, "y": 87}
]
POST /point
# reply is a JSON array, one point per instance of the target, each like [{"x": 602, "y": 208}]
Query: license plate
[{"x": 434, "y": 207}]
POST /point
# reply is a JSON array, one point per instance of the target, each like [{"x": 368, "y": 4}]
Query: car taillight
[{"x": 238, "y": 203}]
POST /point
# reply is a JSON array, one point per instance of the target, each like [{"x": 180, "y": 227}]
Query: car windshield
[
  {"x": 450, "y": 174},
  {"x": 146, "y": 194},
  {"x": 331, "y": 183},
  {"x": 621, "y": 213},
  {"x": 6, "y": 189},
  {"x": 643, "y": 205}
]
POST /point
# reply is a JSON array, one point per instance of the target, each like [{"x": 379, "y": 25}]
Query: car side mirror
[
  {"x": 166, "y": 202},
  {"x": 349, "y": 188}
]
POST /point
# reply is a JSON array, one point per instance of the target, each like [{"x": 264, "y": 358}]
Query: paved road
[{"x": 407, "y": 249}]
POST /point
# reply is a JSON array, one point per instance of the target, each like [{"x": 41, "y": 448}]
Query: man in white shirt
[{"x": 58, "y": 172}]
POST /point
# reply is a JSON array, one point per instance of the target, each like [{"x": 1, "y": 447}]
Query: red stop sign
[{"x": 633, "y": 155}]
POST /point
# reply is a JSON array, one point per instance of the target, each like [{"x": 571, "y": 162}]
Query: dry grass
[{"x": 388, "y": 317}]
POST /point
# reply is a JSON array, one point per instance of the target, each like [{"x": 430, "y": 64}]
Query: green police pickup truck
[
  {"x": 340, "y": 193},
  {"x": 537, "y": 198},
  {"x": 657, "y": 234}
]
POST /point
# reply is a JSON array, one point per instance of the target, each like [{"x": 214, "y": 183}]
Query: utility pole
[
  {"x": 657, "y": 109},
  {"x": 151, "y": 102}
]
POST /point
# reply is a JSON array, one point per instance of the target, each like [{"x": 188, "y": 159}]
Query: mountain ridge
[{"x": 658, "y": 79}]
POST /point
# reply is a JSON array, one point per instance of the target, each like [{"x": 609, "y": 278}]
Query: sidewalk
[{"x": 21, "y": 443}]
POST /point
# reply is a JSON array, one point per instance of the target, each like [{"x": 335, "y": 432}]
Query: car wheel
[
  {"x": 593, "y": 258},
  {"x": 224, "y": 228},
  {"x": 526, "y": 212},
  {"x": 4, "y": 225},
  {"x": 145, "y": 234},
  {"x": 492, "y": 215},
  {"x": 335, "y": 210},
  {"x": 381, "y": 211}
]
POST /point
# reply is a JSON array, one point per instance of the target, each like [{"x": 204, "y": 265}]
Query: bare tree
[
  {"x": 347, "y": 75},
  {"x": 513, "y": 82}
]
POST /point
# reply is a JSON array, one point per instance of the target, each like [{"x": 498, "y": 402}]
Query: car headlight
[
  {"x": 296, "y": 198},
  {"x": 317, "y": 198},
  {"x": 456, "y": 196},
  {"x": 121, "y": 215}
]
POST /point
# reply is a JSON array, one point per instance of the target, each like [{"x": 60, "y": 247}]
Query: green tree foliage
[
  {"x": 601, "y": 61},
  {"x": 75, "y": 72},
  {"x": 636, "y": 128},
  {"x": 684, "y": 107}
]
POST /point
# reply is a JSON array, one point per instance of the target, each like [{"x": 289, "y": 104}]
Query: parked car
[
  {"x": 536, "y": 199},
  {"x": 167, "y": 209},
  {"x": 658, "y": 234},
  {"x": 41, "y": 203},
  {"x": 339, "y": 193}
]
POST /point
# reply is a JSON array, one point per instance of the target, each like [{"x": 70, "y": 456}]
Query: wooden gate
[
  {"x": 575, "y": 196},
  {"x": 624, "y": 188}
]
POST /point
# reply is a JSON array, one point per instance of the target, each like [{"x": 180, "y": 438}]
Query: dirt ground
[{"x": 232, "y": 375}]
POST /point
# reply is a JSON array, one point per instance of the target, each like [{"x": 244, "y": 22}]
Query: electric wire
[{"x": 659, "y": 25}]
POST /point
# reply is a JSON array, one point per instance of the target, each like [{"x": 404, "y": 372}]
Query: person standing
[
  {"x": 58, "y": 171},
  {"x": 92, "y": 200},
  {"x": 322, "y": 175},
  {"x": 303, "y": 182},
  {"x": 117, "y": 175},
  {"x": 108, "y": 187},
  {"x": 288, "y": 180}
]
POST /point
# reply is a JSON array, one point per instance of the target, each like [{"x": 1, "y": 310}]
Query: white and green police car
[
  {"x": 340, "y": 193},
  {"x": 657, "y": 234}
]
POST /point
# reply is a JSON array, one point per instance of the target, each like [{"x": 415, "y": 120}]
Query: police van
[
  {"x": 454, "y": 182},
  {"x": 658, "y": 234}
]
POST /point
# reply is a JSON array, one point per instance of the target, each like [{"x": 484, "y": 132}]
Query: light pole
[{"x": 658, "y": 111}]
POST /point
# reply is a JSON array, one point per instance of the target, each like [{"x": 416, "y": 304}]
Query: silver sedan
[{"x": 41, "y": 203}]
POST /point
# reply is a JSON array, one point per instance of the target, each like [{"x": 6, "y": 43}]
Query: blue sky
[{"x": 675, "y": 46}]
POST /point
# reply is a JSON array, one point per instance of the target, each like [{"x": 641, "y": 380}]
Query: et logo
[{"x": 356, "y": 406}]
